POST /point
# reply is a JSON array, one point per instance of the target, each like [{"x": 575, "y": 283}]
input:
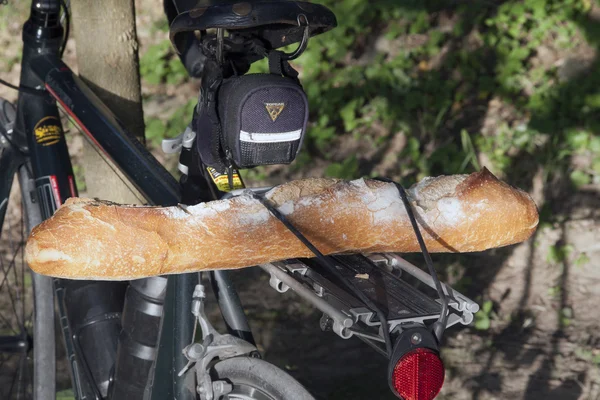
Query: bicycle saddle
[{"x": 277, "y": 23}]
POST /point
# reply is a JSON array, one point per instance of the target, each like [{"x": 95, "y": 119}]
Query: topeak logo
[{"x": 274, "y": 109}]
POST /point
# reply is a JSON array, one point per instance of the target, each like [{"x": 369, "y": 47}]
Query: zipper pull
[
  {"x": 229, "y": 169},
  {"x": 230, "y": 177}
]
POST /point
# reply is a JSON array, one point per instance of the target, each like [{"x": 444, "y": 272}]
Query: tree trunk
[{"x": 107, "y": 58}]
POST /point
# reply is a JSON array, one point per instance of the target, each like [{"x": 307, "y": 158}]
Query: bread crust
[{"x": 90, "y": 239}]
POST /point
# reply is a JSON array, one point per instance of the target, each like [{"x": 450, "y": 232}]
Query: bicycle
[{"x": 109, "y": 356}]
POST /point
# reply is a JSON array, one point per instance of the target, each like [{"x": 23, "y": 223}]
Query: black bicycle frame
[{"x": 38, "y": 117}]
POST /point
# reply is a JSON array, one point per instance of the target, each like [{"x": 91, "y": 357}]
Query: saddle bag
[
  {"x": 249, "y": 120},
  {"x": 263, "y": 119}
]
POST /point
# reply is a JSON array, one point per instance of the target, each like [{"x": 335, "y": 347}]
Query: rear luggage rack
[
  {"x": 372, "y": 297},
  {"x": 403, "y": 292}
]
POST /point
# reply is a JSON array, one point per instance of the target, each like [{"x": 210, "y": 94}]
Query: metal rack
[{"x": 405, "y": 292}]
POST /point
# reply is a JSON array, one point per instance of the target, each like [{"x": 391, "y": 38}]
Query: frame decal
[{"x": 48, "y": 131}]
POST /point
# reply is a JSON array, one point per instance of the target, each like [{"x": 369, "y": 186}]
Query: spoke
[
  {"x": 22, "y": 362},
  {"x": 4, "y": 358},
  {"x": 12, "y": 264},
  {"x": 14, "y": 269},
  {"x": 6, "y": 321},
  {"x": 12, "y": 301},
  {"x": 5, "y": 276},
  {"x": 12, "y": 256},
  {"x": 28, "y": 378},
  {"x": 8, "y": 324},
  {"x": 23, "y": 291},
  {"x": 12, "y": 385},
  {"x": 30, "y": 318},
  {"x": 9, "y": 230}
]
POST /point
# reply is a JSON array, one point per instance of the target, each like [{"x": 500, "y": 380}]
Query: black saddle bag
[{"x": 250, "y": 120}]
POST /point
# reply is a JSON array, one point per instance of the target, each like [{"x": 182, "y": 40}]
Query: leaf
[
  {"x": 594, "y": 145},
  {"x": 469, "y": 150},
  {"x": 487, "y": 307},
  {"x": 582, "y": 260},
  {"x": 482, "y": 323},
  {"x": 554, "y": 255},
  {"x": 155, "y": 130},
  {"x": 578, "y": 140},
  {"x": 558, "y": 254},
  {"x": 348, "y": 114},
  {"x": 580, "y": 178},
  {"x": 347, "y": 169}
]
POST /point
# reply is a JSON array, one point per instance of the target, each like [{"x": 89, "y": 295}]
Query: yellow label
[
  {"x": 274, "y": 109},
  {"x": 47, "y": 131},
  {"x": 222, "y": 181}
]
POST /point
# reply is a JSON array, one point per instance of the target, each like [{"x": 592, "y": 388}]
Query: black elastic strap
[
  {"x": 212, "y": 81},
  {"x": 275, "y": 62},
  {"x": 332, "y": 269},
  {"x": 279, "y": 66},
  {"x": 440, "y": 324}
]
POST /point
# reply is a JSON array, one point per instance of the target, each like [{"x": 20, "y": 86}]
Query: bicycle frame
[{"x": 38, "y": 120}]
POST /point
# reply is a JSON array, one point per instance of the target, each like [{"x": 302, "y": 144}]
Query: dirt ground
[
  {"x": 535, "y": 348},
  {"x": 543, "y": 341}
]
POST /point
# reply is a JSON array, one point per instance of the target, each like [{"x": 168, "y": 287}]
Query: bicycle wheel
[
  {"x": 16, "y": 305},
  {"x": 255, "y": 379},
  {"x": 17, "y": 283}
]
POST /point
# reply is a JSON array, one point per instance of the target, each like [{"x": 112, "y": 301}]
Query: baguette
[{"x": 91, "y": 239}]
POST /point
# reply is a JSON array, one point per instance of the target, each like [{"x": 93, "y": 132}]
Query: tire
[
  {"x": 19, "y": 288},
  {"x": 16, "y": 285},
  {"x": 255, "y": 379}
]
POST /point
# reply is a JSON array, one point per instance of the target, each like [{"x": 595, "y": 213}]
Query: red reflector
[{"x": 418, "y": 375}]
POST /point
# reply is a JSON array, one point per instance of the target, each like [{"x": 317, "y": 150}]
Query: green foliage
[
  {"x": 566, "y": 317},
  {"x": 559, "y": 254},
  {"x": 580, "y": 178},
  {"x": 582, "y": 260},
  {"x": 160, "y": 128},
  {"x": 79, "y": 177},
  {"x": 65, "y": 395},
  {"x": 430, "y": 70},
  {"x": 362, "y": 74},
  {"x": 160, "y": 64},
  {"x": 555, "y": 291},
  {"x": 483, "y": 318},
  {"x": 589, "y": 355},
  {"x": 256, "y": 174},
  {"x": 469, "y": 150},
  {"x": 347, "y": 169}
]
